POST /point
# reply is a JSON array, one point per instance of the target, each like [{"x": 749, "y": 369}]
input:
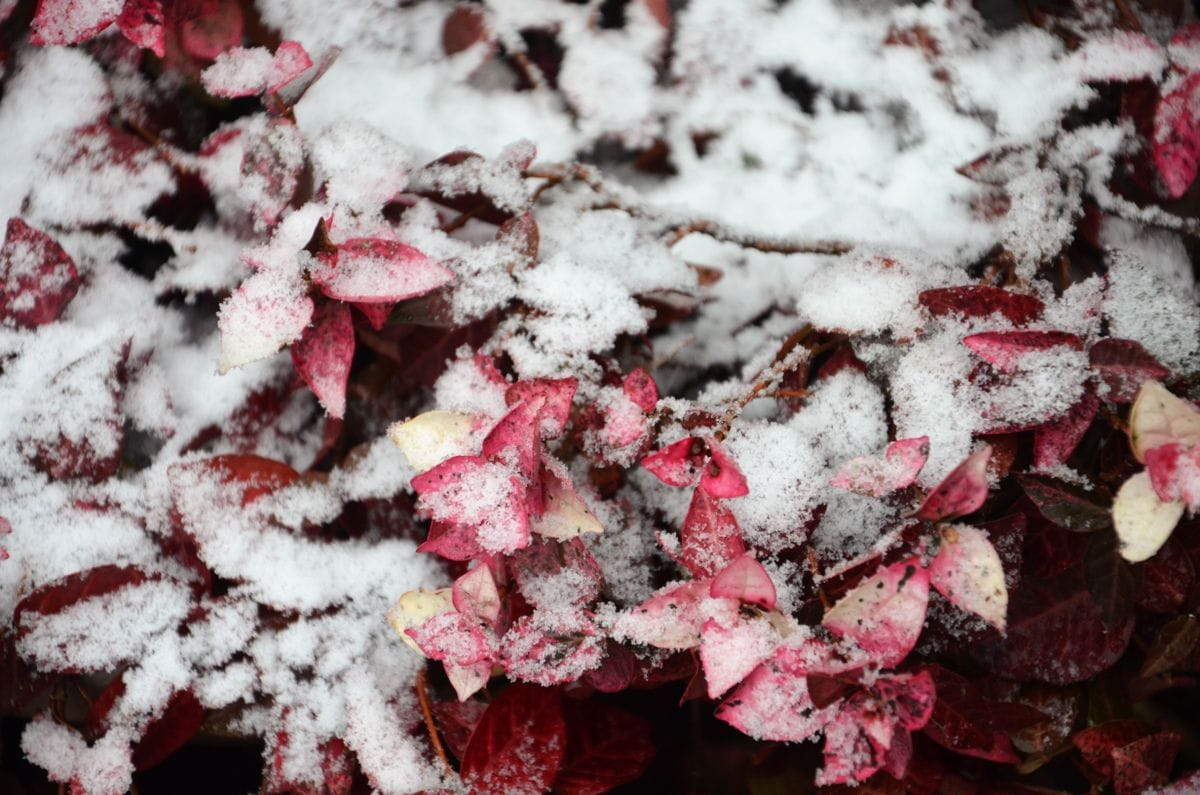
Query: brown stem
[
  {"x": 434, "y": 737},
  {"x": 790, "y": 355}
]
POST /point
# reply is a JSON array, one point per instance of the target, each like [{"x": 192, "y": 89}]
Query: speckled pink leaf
[
  {"x": 452, "y": 541},
  {"x": 268, "y": 311},
  {"x": 671, "y": 618},
  {"x": 677, "y": 463},
  {"x": 470, "y": 491},
  {"x": 323, "y": 354},
  {"x": 1005, "y": 349},
  {"x": 1124, "y": 365},
  {"x": 515, "y": 439},
  {"x": 774, "y": 704},
  {"x": 747, "y": 581},
  {"x": 376, "y": 314},
  {"x": 551, "y": 648},
  {"x": 1176, "y": 137},
  {"x": 961, "y": 492},
  {"x": 885, "y": 613},
  {"x": 873, "y": 477},
  {"x": 1054, "y": 442},
  {"x": 37, "y": 278},
  {"x": 452, "y": 637},
  {"x": 373, "y": 270},
  {"x": 141, "y": 22},
  {"x": 475, "y": 594},
  {"x": 857, "y": 740},
  {"x": 710, "y": 537},
  {"x": 554, "y": 409},
  {"x": 721, "y": 477},
  {"x": 729, "y": 654},
  {"x": 72, "y": 21},
  {"x": 1175, "y": 474},
  {"x": 641, "y": 389},
  {"x": 967, "y": 571}
]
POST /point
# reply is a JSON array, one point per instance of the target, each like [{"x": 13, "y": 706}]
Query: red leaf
[
  {"x": 453, "y": 637},
  {"x": 677, "y": 463},
  {"x": 217, "y": 27},
  {"x": 271, "y": 168},
  {"x": 747, "y": 581},
  {"x": 167, "y": 733},
  {"x": 72, "y": 21},
  {"x": 323, "y": 354},
  {"x": 452, "y": 541},
  {"x": 464, "y": 27},
  {"x": 641, "y": 389},
  {"x": 1144, "y": 763},
  {"x": 456, "y": 720},
  {"x": 710, "y": 537},
  {"x": 372, "y": 270},
  {"x": 1005, "y": 349},
  {"x": 551, "y": 647},
  {"x": 1176, "y": 138},
  {"x": 257, "y": 476},
  {"x": 1175, "y": 473},
  {"x": 555, "y": 396},
  {"x": 1124, "y": 365},
  {"x": 515, "y": 441},
  {"x": 721, "y": 476},
  {"x": 617, "y": 670},
  {"x": 37, "y": 278},
  {"x": 961, "y": 719},
  {"x": 982, "y": 301},
  {"x": 1054, "y": 442},
  {"x": 376, "y": 314},
  {"x": 872, "y": 477},
  {"x": 963, "y": 491},
  {"x": 141, "y": 22},
  {"x": 518, "y": 745},
  {"x": 1167, "y": 579},
  {"x": 477, "y": 494},
  {"x": 606, "y": 747},
  {"x": 545, "y": 560},
  {"x": 1097, "y": 743},
  {"x": 64, "y": 592}
]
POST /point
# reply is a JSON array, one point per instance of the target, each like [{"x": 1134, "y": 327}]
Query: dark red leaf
[
  {"x": 1166, "y": 579},
  {"x": 1173, "y": 647},
  {"x": 37, "y": 278},
  {"x": 982, "y": 301},
  {"x": 212, "y": 29},
  {"x": 1124, "y": 365},
  {"x": 60, "y": 594},
  {"x": 606, "y": 747},
  {"x": 455, "y": 721},
  {"x": 962, "y": 719},
  {"x": 1144, "y": 763},
  {"x": 1054, "y": 442},
  {"x": 256, "y": 475},
  {"x": 464, "y": 27},
  {"x": 169, "y": 731},
  {"x": 1066, "y": 504},
  {"x": 323, "y": 354},
  {"x": 518, "y": 744},
  {"x": 1097, "y": 743},
  {"x": 545, "y": 557},
  {"x": 1109, "y": 578}
]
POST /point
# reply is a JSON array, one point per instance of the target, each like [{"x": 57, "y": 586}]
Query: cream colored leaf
[
  {"x": 429, "y": 439},
  {"x": 566, "y": 515},
  {"x": 1143, "y": 521},
  {"x": 415, "y": 608},
  {"x": 1159, "y": 417},
  {"x": 967, "y": 571}
]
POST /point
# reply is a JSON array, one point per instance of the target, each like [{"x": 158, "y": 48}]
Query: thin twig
[
  {"x": 795, "y": 353},
  {"x": 423, "y": 697}
]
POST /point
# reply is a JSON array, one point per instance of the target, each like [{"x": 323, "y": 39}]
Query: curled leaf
[{"x": 747, "y": 581}]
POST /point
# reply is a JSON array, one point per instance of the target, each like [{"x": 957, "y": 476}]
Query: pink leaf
[
  {"x": 515, "y": 440},
  {"x": 1054, "y": 442},
  {"x": 711, "y": 537},
  {"x": 478, "y": 494},
  {"x": 1005, "y": 349},
  {"x": 885, "y": 613},
  {"x": 271, "y": 167},
  {"x": 376, "y": 314},
  {"x": 37, "y": 278},
  {"x": 452, "y": 637},
  {"x": 249, "y": 71},
  {"x": 729, "y": 654},
  {"x": 747, "y": 581},
  {"x": 902, "y": 463},
  {"x": 467, "y": 680},
  {"x": 554, "y": 409},
  {"x": 721, "y": 477},
  {"x": 1124, "y": 365},
  {"x": 856, "y": 743},
  {"x": 269, "y": 310},
  {"x": 773, "y": 704},
  {"x": 671, "y": 618},
  {"x": 374, "y": 270},
  {"x": 323, "y": 354},
  {"x": 677, "y": 464},
  {"x": 551, "y": 647},
  {"x": 141, "y": 22},
  {"x": 72, "y": 21},
  {"x": 911, "y": 696},
  {"x": 1175, "y": 473},
  {"x": 475, "y": 594},
  {"x": 1176, "y": 136},
  {"x": 291, "y": 60},
  {"x": 963, "y": 491},
  {"x": 967, "y": 571},
  {"x": 641, "y": 389}
]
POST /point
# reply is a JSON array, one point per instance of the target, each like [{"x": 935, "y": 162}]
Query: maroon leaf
[
  {"x": 1176, "y": 138},
  {"x": 518, "y": 744},
  {"x": 456, "y": 720},
  {"x": 1056, "y": 633},
  {"x": 214, "y": 29},
  {"x": 1174, "y": 646},
  {"x": 257, "y": 476},
  {"x": 1144, "y": 763},
  {"x": 169, "y": 731},
  {"x": 606, "y": 747},
  {"x": 1124, "y": 365},
  {"x": 1097, "y": 743},
  {"x": 711, "y": 537},
  {"x": 62, "y": 593},
  {"x": 464, "y": 27},
  {"x": 546, "y": 558},
  {"x": 961, "y": 492},
  {"x": 323, "y": 354},
  {"x": 1054, "y": 442},
  {"x": 962, "y": 719},
  {"x": 1065, "y": 504},
  {"x": 1109, "y": 578},
  {"x": 982, "y": 301},
  {"x": 37, "y": 278},
  {"x": 1166, "y": 579}
]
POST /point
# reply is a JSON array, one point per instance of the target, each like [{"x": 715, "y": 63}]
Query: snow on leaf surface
[
  {"x": 72, "y": 21},
  {"x": 1054, "y": 442},
  {"x": 518, "y": 745},
  {"x": 564, "y": 514},
  {"x": 885, "y": 613},
  {"x": 872, "y": 477},
  {"x": 37, "y": 278},
  {"x": 268, "y": 311},
  {"x": 477, "y": 494},
  {"x": 247, "y": 71},
  {"x": 323, "y": 354},
  {"x": 721, "y": 476},
  {"x": 375, "y": 270},
  {"x": 141, "y": 21},
  {"x": 1175, "y": 474},
  {"x": 961, "y": 492},
  {"x": 1005, "y": 349},
  {"x": 1159, "y": 417},
  {"x": 710, "y": 537},
  {"x": 982, "y": 301},
  {"x": 1143, "y": 521},
  {"x": 1176, "y": 137},
  {"x": 967, "y": 571},
  {"x": 1124, "y": 365},
  {"x": 745, "y": 580},
  {"x": 677, "y": 463},
  {"x": 729, "y": 654}
]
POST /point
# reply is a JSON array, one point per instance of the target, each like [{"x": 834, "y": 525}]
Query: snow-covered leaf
[
  {"x": 374, "y": 270},
  {"x": 873, "y": 477}
]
